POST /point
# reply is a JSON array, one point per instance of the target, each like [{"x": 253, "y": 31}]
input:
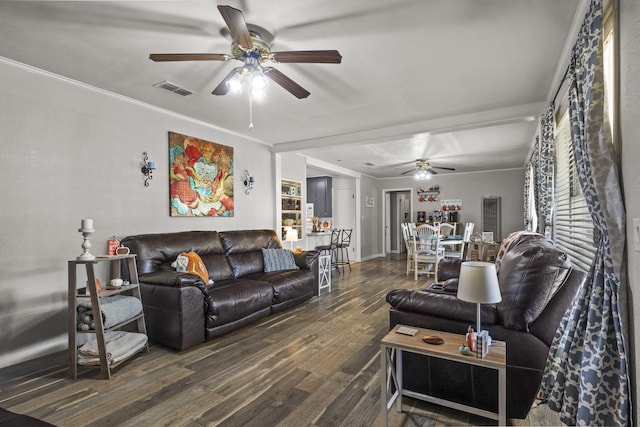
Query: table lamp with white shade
[
  {"x": 291, "y": 236},
  {"x": 478, "y": 283}
]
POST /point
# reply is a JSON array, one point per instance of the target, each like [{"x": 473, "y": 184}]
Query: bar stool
[
  {"x": 343, "y": 246},
  {"x": 332, "y": 248}
]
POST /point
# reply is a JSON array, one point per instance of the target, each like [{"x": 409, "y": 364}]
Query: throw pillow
[
  {"x": 278, "y": 259},
  {"x": 190, "y": 262}
]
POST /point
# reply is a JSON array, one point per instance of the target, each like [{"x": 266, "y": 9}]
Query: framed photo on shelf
[{"x": 487, "y": 236}]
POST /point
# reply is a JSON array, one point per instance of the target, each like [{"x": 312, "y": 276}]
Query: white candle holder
[{"x": 86, "y": 245}]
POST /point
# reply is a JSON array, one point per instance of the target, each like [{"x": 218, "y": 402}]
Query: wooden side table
[
  {"x": 394, "y": 344},
  {"x": 324, "y": 267}
]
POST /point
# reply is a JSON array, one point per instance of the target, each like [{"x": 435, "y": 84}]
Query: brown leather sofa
[
  {"x": 537, "y": 284},
  {"x": 182, "y": 311}
]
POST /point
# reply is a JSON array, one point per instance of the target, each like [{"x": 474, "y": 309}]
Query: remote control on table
[{"x": 407, "y": 331}]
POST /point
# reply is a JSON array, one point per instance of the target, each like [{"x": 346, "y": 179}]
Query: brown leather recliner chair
[{"x": 537, "y": 284}]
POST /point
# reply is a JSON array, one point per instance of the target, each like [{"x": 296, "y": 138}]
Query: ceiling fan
[
  {"x": 423, "y": 167},
  {"x": 251, "y": 48}
]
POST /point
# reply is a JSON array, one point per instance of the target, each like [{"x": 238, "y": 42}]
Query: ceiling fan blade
[
  {"x": 294, "y": 88},
  {"x": 309, "y": 56},
  {"x": 431, "y": 171},
  {"x": 443, "y": 168},
  {"x": 237, "y": 26},
  {"x": 406, "y": 172},
  {"x": 223, "y": 87},
  {"x": 161, "y": 57}
]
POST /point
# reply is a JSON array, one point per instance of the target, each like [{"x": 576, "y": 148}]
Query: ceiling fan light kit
[
  {"x": 423, "y": 169},
  {"x": 250, "y": 48}
]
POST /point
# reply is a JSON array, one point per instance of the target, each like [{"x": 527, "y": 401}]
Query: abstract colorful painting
[{"x": 200, "y": 177}]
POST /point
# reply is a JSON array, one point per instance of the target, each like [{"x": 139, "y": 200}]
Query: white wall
[
  {"x": 71, "y": 152},
  {"x": 630, "y": 134},
  {"x": 370, "y": 220}
]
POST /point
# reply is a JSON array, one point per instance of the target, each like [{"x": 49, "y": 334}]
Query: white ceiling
[{"x": 458, "y": 81}]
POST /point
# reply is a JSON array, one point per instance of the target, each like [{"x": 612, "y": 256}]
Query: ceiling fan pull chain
[{"x": 250, "y": 111}]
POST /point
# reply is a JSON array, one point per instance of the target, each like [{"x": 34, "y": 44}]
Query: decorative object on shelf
[
  {"x": 371, "y": 202},
  {"x": 86, "y": 228},
  {"x": 122, "y": 250},
  {"x": 291, "y": 236},
  {"x": 147, "y": 168},
  {"x": 248, "y": 181},
  {"x": 201, "y": 181},
  {"x": 487, "y": 236},
  {"x": 314, "y": 221},
  {"x": 451, "y": 204},
  {"x": 428, "y": 195},
  {"x": 478, "y": 283},
  {"x": 112, "y": 245}
]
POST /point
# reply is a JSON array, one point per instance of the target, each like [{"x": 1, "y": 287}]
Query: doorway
[{"x": 398, "y": 206}]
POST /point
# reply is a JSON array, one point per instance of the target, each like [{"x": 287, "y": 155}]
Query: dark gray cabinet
[{"x": 319, "y": 193}]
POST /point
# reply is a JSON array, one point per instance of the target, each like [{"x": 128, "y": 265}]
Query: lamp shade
[
  {"x": 478, "y": 283},
  {"x": 291, "y": 236}
]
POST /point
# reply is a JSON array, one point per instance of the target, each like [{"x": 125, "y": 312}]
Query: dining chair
[
  {"x": 466, "y": 239},
  {"x": 446, "y": 232},
  {"x": 426, "y": 243},
  {"x": 407, "y": 237},
  {"x": 446, "y": 229}
]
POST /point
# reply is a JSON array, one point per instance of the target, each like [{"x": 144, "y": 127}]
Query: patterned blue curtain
[
  {"x": 530, "y": 190},
  {"x": 587, "y": 378},
  {"x": 545, "y": 178}
]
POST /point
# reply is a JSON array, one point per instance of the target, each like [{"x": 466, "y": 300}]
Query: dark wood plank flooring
[{"x": 314, "y": 365}]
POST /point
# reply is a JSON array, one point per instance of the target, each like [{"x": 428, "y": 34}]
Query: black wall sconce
[
  {"x": 248, "y": 181},
  {"x": 147, "y": 168}
]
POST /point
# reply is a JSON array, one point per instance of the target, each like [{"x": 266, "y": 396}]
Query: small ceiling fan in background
[
  {"x": 251, "y": 48},
  {"x": 423, "y": 168}
]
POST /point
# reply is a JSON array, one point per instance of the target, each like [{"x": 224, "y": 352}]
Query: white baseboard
[{"x": 370, "y": 257}]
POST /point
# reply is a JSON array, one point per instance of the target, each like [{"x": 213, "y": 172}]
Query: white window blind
[{"x": 573, "y": 228}]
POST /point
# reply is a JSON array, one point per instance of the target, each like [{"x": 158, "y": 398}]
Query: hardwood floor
[{"x": 315, "y": 365}]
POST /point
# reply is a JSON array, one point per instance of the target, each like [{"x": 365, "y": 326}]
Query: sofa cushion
[
  {"x": 156, "y": 252},
  {"x": 278, "y": 260},
  {"x": 232, "y": 300},
  {"x": 530, "y": 275},
  {"x": 243, "y": 249}
]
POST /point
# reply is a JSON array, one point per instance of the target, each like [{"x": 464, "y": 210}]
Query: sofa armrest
[
  {"x": 305, "y": 259},
  {"x": 169, "y": 278}
]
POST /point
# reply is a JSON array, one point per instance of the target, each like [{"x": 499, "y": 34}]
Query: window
[{"x": 573, "y": 228}]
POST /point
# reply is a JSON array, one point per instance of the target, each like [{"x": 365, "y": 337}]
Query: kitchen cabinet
[{"x": 319, "y": 192}]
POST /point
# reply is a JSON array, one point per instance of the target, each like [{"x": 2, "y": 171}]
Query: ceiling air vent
[{"x": 172, "y": 87}]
